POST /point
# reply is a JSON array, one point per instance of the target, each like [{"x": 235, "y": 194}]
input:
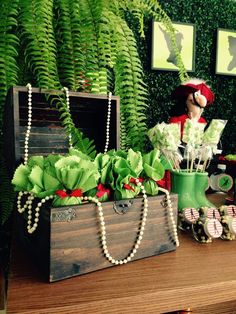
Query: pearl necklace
[
  {"x": 103, "y": 228},
  {"x": 31, "y": 228},
  {"x": 29, "y": 200},
  {"x": 108, "y": 123},
  {"x": 66, "y": 90},
  {"x": 168, "y": 205},
  {"x": 28, "y": 204},
  {"x": 26, "y": 148}
]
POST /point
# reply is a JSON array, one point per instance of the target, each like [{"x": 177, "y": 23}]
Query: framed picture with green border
[
  {"x": 226, "y": 52},
  {"x": 163, "y": 55}
]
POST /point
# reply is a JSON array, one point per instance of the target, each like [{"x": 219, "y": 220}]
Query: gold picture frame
[
  {"x": 163, "y": 56},
  {"x": 226, "y": 52}
]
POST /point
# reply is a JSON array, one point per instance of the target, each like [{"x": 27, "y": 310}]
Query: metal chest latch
[
  {"x": 121, "y": 207},
  {"x": 65, "y": 215}
]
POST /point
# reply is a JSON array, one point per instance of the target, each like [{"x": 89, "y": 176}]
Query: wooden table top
[
  {"x": 192, "y": 276},
  {"x": 195, "y": 275}
]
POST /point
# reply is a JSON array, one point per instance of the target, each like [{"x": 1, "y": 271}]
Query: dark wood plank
[
  {"x": 89, "y": 113},
  {"x": 75, "y": 246}
]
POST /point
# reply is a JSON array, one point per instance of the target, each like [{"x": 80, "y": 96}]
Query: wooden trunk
[
  {"x": 67, "y": 241},
  {"x": 89, "y": 113}
]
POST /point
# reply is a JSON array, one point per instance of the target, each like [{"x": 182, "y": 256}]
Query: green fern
[
  {"x": 129, "y": 85},
  {"x": 36, "y": 21},
  {"x": 8, "y": 77},
  {"x": 80, "y": 61},
  {"x": 70, "y": 56},
  {"x": 8, "y": 50}
]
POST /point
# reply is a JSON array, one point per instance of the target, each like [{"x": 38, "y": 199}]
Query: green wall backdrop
[{"x": 208, "y": 16}]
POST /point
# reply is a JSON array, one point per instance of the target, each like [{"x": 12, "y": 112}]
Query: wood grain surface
[
  {"x": 88, "y": 111},
  {"x": 195, "y": 275},
  {"x": 65, "y": 248},
  {"x": 199, "y": 276}
]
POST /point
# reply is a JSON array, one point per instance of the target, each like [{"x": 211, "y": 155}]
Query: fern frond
[
  {"x": 81, "y": 66},
  {"x": 129, "y": 86},
  {"x": 70, "y": 56},
  {"x": 8, "y": 50},
  {"x": 36, "y": 21},
  {"x": 93, "y": 45}
]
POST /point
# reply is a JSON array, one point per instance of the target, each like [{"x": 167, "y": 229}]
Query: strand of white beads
[
  {"x": 103, "y": 228},
  {"x": 31, "y": 228},
  {"x": 27, "y": 134},
  {"x": 27, "y": 203},
  {"x": 66, "y": 90},
  {"x": 171, "y": 215},
  {"x": 108, "y": 123},
  {"x": 26, "y": 153}
]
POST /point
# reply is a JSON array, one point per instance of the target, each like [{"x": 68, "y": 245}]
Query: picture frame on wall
[
  {"x": 226, "y": 52},
  {"x": 163, "y": 55}
]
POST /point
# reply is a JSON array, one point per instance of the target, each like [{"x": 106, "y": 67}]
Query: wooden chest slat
[
  {"x": 89, "y": 113},
  {"x": 68, "y": 248}
]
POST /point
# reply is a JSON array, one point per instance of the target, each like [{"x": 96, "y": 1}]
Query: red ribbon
[
  {"x": 161, "y": 183},
  {"x": 128, "y": 187},
  {"x": 133, "y": 180},
  {"x": 102, "y": 190},
  {"x": 74, "y": 193}
]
